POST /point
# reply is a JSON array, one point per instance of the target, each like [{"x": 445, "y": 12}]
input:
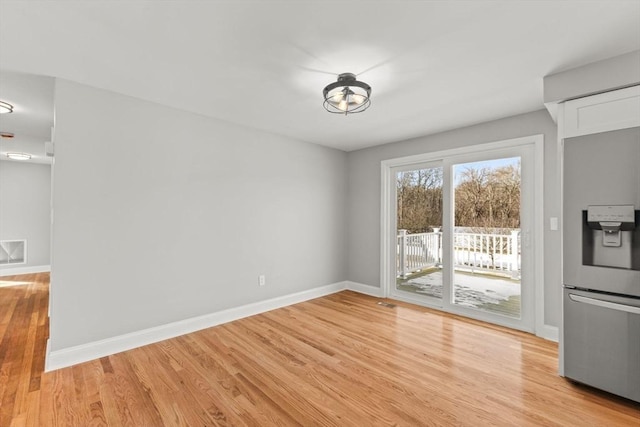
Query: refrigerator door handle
[{"x": 605, "y": 304}]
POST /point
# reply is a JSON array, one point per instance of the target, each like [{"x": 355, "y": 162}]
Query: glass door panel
[
  {"x": 419, "y": 210},
  {"x": 486, "y": 236},
  {"x": 459, "y": 233}
]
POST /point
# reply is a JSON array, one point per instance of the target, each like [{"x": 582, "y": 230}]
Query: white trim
[
  {"x": 46, "y": 358},
  {"x": 82, "y": 353},
  {"x": 548, "y": 332},
  {"x": 24, "y": 270},
  {"x": 560, "y": 171},
  {"x": 386, "y": 211},
  {"x": 438, "y": 155},
  {"x": 386, "y": 214},
  {"x": 365, "y": 289},
  {"x": 538, "y": 239}
]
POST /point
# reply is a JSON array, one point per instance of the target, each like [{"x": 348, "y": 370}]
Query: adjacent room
[{"x": 349, "y": 213}]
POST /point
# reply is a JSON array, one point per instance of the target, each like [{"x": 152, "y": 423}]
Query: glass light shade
[
  {"x": 336, "y": 96},
  {"x": 347, "y": 95}
]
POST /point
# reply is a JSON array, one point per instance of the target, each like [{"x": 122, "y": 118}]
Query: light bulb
[
  {"x": 342, "y": 105},
  {"x": 358, "y": 99}
]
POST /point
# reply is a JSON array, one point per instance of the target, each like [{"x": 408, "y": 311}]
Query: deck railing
[{"x": 499, "y": 253}]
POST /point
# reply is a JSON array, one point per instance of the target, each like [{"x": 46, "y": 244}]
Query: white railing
[
  {"x": 418, "y": 251},
  {"x": 471, "y": 251}
]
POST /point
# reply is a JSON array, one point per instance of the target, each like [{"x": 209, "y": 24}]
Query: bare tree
[
  {"x": 484, "y": 198},
  {"x": 419, "y": 201},
  {"x": 488, "y": 197},
  {"x": 487, "y": 201}
]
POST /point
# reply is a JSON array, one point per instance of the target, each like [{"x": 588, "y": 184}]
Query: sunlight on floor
[{"x": 6, "y": 283}]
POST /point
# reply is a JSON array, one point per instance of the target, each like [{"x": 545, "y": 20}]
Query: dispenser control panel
[{"x": 617, "y": 213}]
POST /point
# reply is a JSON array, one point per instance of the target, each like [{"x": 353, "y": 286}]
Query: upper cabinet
[
  {"x": 618, "y": 109},
  {"x": 597, "y": 97}
]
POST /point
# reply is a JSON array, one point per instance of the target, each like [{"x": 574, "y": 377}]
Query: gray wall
[
  {"x": 608, "y": 74},
  {"x": 163, "y": 215},
  {"x": 25, "y": 198},
  {"x": 364, "y": 194}
]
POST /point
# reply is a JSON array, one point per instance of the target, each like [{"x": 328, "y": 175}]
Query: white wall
[
  {"x": 364, "y": 195},
  {"x": 25, "y": 197},
  {"x": 163, "y": 215}
]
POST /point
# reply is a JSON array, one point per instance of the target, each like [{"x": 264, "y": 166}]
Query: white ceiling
[{"x": 433, "y": 65}]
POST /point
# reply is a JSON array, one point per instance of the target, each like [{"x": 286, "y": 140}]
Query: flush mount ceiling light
[
  {"x": 347, "y": 95},
  {"x": 19, "y": 156},
  {"x": 5, "y": 107}
]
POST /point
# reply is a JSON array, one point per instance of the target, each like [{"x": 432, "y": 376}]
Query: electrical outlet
[{"x": 262, "y": 280}]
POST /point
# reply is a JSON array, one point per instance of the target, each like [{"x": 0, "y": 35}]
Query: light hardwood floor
[{"x": 341, "y": 360}]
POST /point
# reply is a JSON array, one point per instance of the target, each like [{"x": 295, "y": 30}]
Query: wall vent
[{"x": 13, "y": 252}]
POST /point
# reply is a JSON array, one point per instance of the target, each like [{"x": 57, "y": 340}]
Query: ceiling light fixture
[
  {"x": 347, "y": 95},
  {"x": 5, "y": 107},
  {"x": 19, "y": 156}
]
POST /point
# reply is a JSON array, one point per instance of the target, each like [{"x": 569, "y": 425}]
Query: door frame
[{"x": 388, "y": 237}]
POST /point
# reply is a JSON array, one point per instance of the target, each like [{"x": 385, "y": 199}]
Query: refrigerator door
[
  {"x": 601, "y": 169},
  {"x": 602, "y": 341}
]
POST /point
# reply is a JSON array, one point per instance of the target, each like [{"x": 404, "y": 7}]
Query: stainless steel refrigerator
[{"x": 601, "y": 261}]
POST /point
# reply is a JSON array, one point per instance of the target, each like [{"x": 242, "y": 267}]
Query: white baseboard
[
  {"x": 548, "y": 332},
  {"x": 82, "y": 353},
  {"x": 364, "y": 289},
  {"x": 24, "y": 270},
  {"x": 46, "y": 357}
]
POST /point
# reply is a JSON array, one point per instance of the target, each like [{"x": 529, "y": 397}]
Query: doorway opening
[{"x": 458, "y": 227}]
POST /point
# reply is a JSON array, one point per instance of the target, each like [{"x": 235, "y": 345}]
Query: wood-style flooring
[{"x": 340, "y": 360}]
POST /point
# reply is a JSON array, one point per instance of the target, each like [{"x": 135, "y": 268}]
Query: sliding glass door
[
  {"x": 487, "y": 235},
  {"x": 462, "y": 227},
  {"x": 419, "y": 231}
]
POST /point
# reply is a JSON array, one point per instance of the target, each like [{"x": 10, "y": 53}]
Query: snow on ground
[{"x": 471, "y": 290}]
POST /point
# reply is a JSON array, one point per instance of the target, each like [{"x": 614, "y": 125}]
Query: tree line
[{"x": 484, "y": 198}]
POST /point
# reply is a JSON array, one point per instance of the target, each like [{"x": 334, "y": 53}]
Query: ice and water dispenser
[{"x": 611, "y": 236}]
